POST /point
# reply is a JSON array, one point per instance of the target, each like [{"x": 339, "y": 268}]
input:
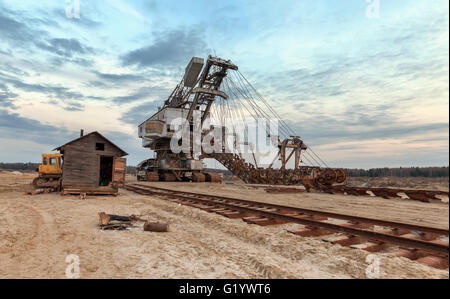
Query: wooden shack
[{"x": 92, "y": 164}]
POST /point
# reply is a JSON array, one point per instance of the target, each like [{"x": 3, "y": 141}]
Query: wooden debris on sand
[
  {"x": 117, "y": 222},
  {"x": 156, "y": 227},
  {"x": 40, "y": 191}
]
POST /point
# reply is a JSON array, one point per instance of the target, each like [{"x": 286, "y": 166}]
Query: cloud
[
  {"x": 367, "y": 93},
  {"x": 96, "y": 84},
  {"x": 65, "y": 47},
  {"x": 151, "y": 92},
  {"x": 8, "y": 68},
  {"x": 170, "y": 48},
  {"x": 6, "y": 96},
  {"x": 84, "y": 20},
  {"x": 15, "y": 31},
  {"x": 127, "y": 9},
  {"x": 54, "y": 91},
  {"x": 119, "y": 78},
  {"x": 24, "y": 34},
  {"x": 74, "y": 107},
  {"x": 140, "y": 113},
  {"x": 12, "y": 125},
  {"x": 374, "y": 81},
  {"x": 59, "y": 61},
  {"x": 326, "y": 133},
  {"x": 68, "y": 99}
]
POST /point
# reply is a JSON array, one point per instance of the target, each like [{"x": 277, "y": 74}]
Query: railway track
[
  {"x": 420, "y": 195},
  {"x": 427, "y": 245},
  {"x": 387, "y": 193}
]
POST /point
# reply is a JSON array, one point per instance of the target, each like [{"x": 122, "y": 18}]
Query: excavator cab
[{"x": 50, "y": 171}]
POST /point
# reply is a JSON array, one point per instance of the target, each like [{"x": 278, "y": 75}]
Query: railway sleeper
[
  {"x": 311, "y": 217},
  {"x": 359, "y": 225},
  {"x": 423, "y": 257},
  {"x": 418, "y": 196},
  {"x": 429, "y": 236},
  {"x": 232, "y": 214},
  {"x": 385, "y": 193},
  {"x": 434, "y": 261},
  {"x": 348, "y": 241},
  {"x": 262, "y": 221},
  {"x": 312, "y": 232},
  {"x": 370, "y": 246}
]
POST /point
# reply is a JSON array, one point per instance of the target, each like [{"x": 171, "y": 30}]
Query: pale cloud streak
[{"x": 364, "y": 93}]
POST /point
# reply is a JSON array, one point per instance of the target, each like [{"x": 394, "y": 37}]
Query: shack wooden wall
[{"x": 82, "y": 161}]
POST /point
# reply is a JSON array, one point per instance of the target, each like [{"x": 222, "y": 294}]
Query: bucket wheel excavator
[{"x": 215, "y": 89}]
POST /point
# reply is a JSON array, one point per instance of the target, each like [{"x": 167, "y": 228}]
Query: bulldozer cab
[{"x": 51, "y": 165}]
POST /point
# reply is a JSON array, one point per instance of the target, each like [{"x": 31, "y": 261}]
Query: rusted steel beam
[
  {"x": 283, "y": 176},
  {"x": 284, "y": 190}
]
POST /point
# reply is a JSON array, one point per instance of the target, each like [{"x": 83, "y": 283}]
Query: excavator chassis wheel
[
  {"x": 341, "y": 176},
  {"x": 153, "y": 177},
  {"x": 327, "y": 177},
  {"x": 212, "y": 177},
  {"x": 198, "y": 177},
  {"x": 169, "y": 177}
]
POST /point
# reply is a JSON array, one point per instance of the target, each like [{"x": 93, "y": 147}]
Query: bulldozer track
[{"x": 421, "y": 243}]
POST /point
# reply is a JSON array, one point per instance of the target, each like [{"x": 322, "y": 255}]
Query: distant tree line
[
  {"x": 428, "y": 172},
  {"x": 34, "y": 166},
  {"x": 19, "y": 166},
  {"x": 131, "y": 170}
]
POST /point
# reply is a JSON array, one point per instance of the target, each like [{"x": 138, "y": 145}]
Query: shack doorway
[{"x": 106, "y": 170}]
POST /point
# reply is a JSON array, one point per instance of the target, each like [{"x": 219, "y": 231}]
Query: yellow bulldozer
[{"x": 50, "y": 172}]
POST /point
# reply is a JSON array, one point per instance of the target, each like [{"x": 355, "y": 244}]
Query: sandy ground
[
  {"x": 399, "y": 210},
  {"x": 404, "y": 183},
  {"x": 38, "y": 232}
]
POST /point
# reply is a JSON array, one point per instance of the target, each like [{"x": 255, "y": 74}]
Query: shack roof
[{"x": 61, "y": 148}]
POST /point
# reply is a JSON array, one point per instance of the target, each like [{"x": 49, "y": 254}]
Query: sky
[{"x": 365, "y": 87}]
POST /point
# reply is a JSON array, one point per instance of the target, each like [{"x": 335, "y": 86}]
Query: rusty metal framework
[
  {"x": 216, "y": 89},
  {"x": 204, "y": 91}
]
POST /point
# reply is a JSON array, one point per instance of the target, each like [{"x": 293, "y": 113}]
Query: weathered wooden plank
[
  {"x": 119, "y": 166},
  {"x": 82, "y": 161}
]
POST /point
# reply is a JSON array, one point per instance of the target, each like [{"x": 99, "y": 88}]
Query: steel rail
[
  {"x": 398, "y": 225},
  {"x": 398, "y": 190},
  {"x": 435, "y": 248}
]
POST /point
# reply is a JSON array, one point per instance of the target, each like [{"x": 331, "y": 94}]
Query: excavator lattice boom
[{"x": 202, "y": 86}]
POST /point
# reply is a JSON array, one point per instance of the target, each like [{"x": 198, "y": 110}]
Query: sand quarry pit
[{"x": 37, "y": 233}]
